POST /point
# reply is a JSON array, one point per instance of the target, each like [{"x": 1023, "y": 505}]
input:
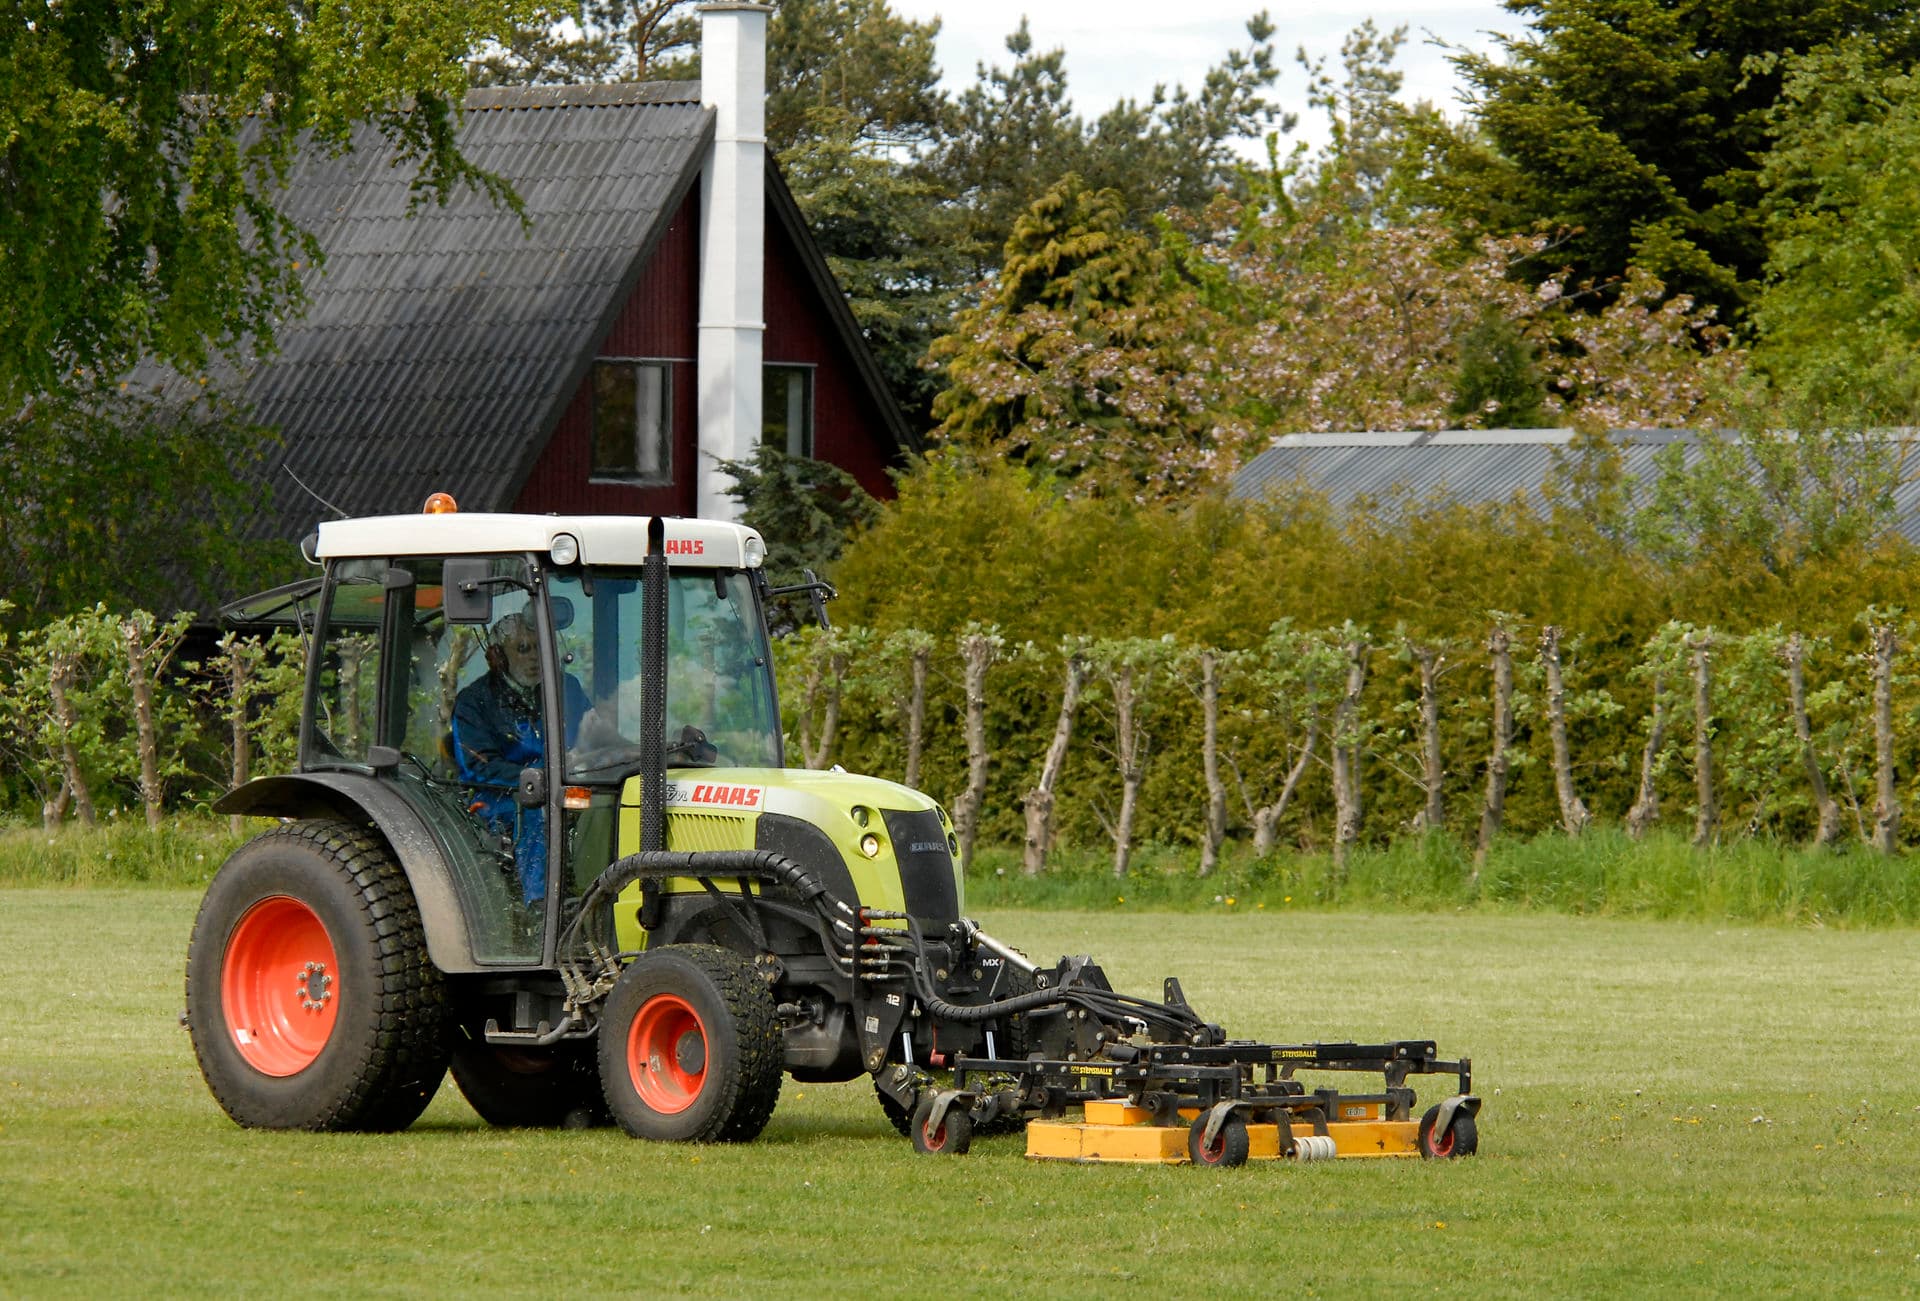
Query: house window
[
  {"x": 787, "y": 408},
  {"x": 633, "y": 422}
]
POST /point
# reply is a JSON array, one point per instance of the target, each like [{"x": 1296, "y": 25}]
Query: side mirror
[{"x": 466, "y": 592}]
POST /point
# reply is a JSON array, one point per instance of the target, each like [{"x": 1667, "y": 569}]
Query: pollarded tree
[
  {"x": 1296, "y": 678},
  {"x": 1134, "y": 671},
  {"x": 1039, "y": 802}
]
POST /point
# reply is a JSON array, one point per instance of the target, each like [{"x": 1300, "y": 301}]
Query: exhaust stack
[{"x": 733, "y": 83}]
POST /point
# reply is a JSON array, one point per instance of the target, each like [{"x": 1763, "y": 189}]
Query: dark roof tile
[{"x": 438, "y": 338}]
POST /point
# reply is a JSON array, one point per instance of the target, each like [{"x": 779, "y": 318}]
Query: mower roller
[{"x": 652, "y": 921}]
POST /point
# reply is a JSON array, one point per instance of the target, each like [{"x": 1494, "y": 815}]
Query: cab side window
[{"x": 346, "y": 704}]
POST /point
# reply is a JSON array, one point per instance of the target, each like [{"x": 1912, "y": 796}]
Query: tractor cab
[{"x": 487, "y": 669}]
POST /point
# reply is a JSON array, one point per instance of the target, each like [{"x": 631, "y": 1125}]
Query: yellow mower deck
[{"x": 1112, "y": 1131}]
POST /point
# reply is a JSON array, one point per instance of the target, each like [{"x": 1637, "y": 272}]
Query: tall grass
[
  {"x": 117, "y": 851},
  {"x": 1603, "y": 873}
]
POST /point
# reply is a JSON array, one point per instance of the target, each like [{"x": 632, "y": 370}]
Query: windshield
[{"x": 720, "y": 703}]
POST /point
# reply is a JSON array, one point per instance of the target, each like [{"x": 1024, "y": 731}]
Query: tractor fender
[{"x": 356, "y": 798}]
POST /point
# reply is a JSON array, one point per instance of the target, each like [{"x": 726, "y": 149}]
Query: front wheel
[
  {"x": 690, "y": 1047},
  {"x": 1460, "y": 1138},
  {"x": 951, "y": 1137},
  {"x": 310, "y": 997},
  {"x": 1230, "y": 1147}
]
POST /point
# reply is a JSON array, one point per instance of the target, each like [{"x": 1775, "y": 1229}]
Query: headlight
[
  {"x": 755, "y": 550},
  {"x": 870, "y": 845},
  {"x": 564, "y": 549}
]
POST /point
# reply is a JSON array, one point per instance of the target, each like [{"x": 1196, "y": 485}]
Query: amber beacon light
[{"x": 440, "y": 503}]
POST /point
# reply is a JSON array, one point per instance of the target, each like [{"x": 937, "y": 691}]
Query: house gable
[{"x": 856, "y": 424}]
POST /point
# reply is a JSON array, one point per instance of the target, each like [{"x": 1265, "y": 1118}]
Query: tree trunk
[
  {"x": 976, "y": 653},
  {"x": 917, "y": 712},
  {"x": 1494, "y": 811},
  {"x": 1886, "y": 806},
  {"x": 239, "y": 697},
  {"x": 1646, "y": 803},
  {"x": 1266, "y": 820},
  {"x": 1347, "y": 810},
  {"x": 825, "y": 678},
  {"x": 59, "y": 679},
  {"x": 1039, "y": 804},
  {"x": 1795, "y": 654},
  {"x": 1215, "y": 830},
  {"x": 1707, "y": 816},
  {"x": 140, "y": 681},
  {"x": 1121, "y": 683},
  {"x": 55, "y": 809},
  {"x": 1573, "y": 811},
  {"x": 1433, "y": 773}
]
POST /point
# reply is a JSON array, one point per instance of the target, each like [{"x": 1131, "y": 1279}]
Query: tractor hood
[{"x": 885, "y": 845}]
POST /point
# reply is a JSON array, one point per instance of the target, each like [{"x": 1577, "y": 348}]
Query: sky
[{"x": 1119, "y": 49}]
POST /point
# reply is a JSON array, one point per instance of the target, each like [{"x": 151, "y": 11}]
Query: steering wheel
[
  {"x": 605, "y": 756},
  {"x": 692, "y": 745}
]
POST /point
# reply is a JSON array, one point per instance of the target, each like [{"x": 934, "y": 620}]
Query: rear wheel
[
  {"x": 690, "y": 1047},
  {"x": 529, "y": 1088},
  {"x": 310, "y": 997}
]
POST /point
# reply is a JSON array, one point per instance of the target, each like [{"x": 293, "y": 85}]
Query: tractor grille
[
  {"x": 926, "y": 866},
  {"x": 700, "y": 833}
]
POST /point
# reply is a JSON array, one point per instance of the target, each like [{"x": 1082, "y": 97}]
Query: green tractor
[{"x": 541, "y": 835}]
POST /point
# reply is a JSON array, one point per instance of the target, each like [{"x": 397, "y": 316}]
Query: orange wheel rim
[
  {"x": 279, "y": 986},
  {"x": 667, "y": 1054}
]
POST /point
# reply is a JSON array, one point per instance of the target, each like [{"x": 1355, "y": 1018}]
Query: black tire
[
  {"x": 1229, "y": 1147},
  {"x": 953, "y": 1137},
  {"x": 308, "y": 915},
  {"x": 1461, "y": 1139},
  {"x": 690, "y": 1047},
  {"x": 897, "y": 1116},
  {"x": 530, "y": 1088}
]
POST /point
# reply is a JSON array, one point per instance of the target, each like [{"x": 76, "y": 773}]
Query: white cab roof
[{"x": 603, "y": 539}]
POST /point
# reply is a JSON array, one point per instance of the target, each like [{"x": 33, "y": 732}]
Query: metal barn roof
[{"x": 1379, "y": 471}]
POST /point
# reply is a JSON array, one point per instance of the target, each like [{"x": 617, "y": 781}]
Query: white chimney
[{"x": 733, "y": 82}]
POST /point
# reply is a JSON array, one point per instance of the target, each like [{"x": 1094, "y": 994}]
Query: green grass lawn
[{"x": 1675, "y": 1108}]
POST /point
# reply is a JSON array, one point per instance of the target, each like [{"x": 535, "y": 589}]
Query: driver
[{"x": 497, "y": 731}]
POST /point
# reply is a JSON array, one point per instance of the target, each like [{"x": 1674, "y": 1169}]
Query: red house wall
[
  {"x": 847, "y": 430},
  {"x": 661, "y": 321}
]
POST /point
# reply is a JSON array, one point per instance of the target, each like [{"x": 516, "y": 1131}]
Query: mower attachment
[{"x": 1228, "y": 1103}]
